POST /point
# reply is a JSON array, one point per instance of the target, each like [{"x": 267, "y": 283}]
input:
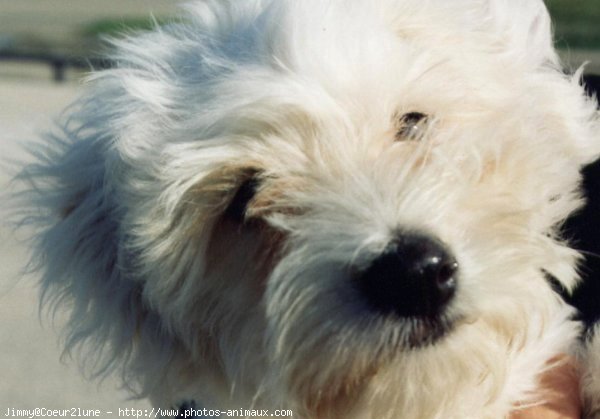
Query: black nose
[{"x": 415, "y": 277}]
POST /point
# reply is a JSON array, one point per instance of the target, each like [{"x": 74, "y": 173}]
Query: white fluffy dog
[{"x": 347, "y": 208}]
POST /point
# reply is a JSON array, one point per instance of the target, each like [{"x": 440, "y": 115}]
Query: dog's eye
[
  {"x": 411, "y": 126},
  {"x": 239, "y": 203}
]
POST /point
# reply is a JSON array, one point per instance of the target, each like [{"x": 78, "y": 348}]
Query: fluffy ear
[{"x": 527, "y": 28}]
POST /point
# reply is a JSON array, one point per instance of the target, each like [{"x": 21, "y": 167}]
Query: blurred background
[
  {"x": 46, "y": 46},
  {"x": 577, "y": 32}
]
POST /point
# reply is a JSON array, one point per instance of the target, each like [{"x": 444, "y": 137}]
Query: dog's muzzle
[{"x": 415, "y": 276}]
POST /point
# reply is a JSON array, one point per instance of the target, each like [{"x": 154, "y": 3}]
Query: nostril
[
  {"x": 446, "y": 272},
  {"x": 415, "y": 276},
  {"x": 446, "y": 280}
]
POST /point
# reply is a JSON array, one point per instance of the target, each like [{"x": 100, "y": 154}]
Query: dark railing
[{"x": 59, "y": 62}]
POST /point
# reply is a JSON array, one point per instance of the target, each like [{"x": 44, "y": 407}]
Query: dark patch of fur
[{"x": 583, "y": 231}]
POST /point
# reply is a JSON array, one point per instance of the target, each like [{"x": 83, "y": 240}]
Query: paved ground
[{"x": 30, "y": 372}]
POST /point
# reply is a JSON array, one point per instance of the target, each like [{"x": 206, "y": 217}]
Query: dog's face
[{"x": 335, "y": 205}]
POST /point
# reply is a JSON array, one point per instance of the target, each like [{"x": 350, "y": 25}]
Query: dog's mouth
[
  {"x": 426, "y": 331},
  {"x": 398, "y": 334}
]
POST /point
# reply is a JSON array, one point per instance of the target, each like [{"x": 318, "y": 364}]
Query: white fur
[{"x": 191, "y": 306}]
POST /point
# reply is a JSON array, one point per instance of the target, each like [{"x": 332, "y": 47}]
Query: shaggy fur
[{"x": 206, "y": 207}]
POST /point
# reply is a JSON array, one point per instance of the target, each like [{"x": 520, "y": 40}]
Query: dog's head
[{"x": 330, "y": 205}]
